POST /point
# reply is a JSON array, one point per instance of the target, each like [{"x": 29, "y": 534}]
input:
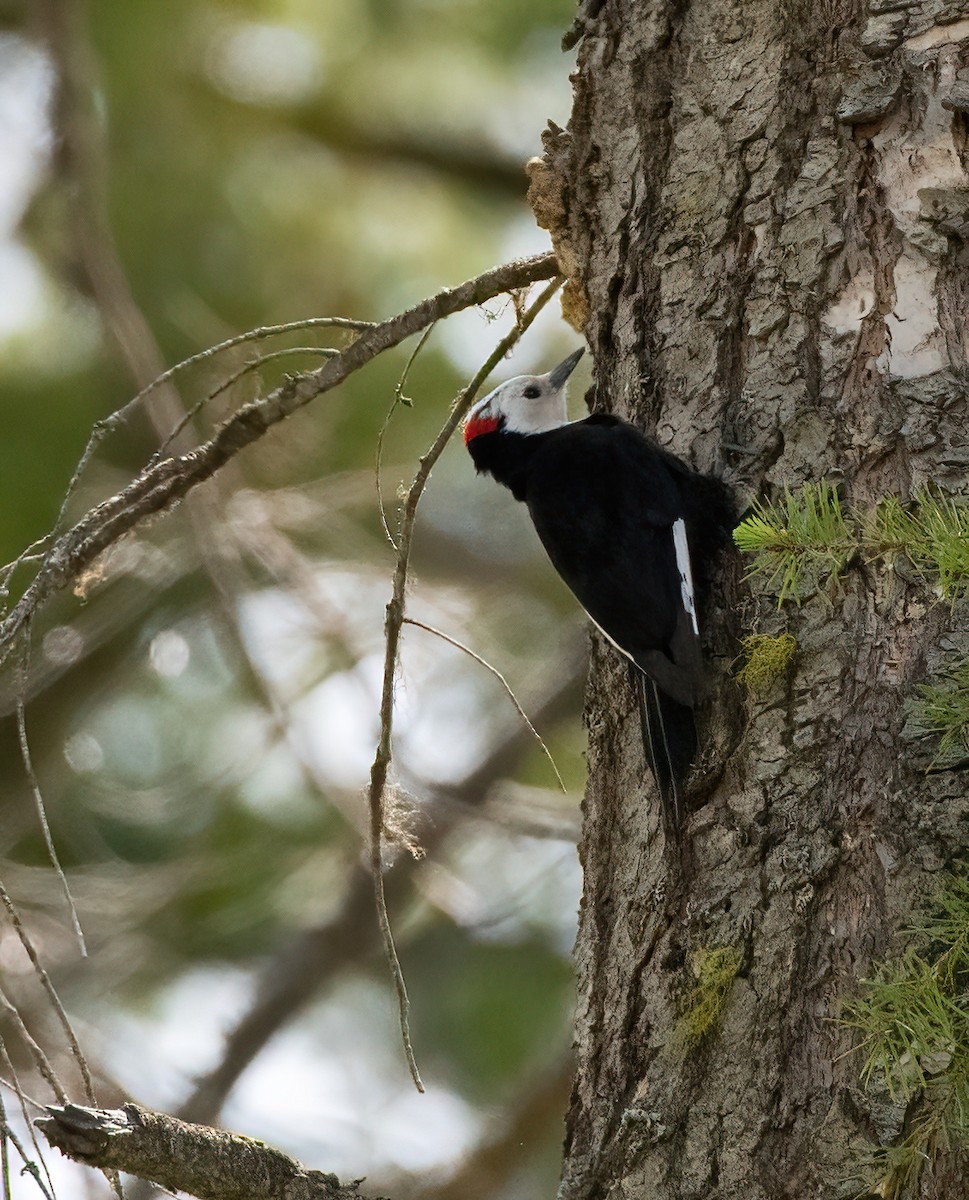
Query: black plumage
[{"x": 605, "y": 500}]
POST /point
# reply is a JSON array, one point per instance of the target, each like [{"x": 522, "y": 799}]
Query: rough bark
[{"x": 762, "y": 209}]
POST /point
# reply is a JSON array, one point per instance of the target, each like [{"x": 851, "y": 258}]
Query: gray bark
[{"x": 762, "y": 208}]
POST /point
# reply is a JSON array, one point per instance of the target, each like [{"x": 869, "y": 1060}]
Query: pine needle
[
  {"x": 912, "y": 1024},
  {"x": 799, "y": 543}
]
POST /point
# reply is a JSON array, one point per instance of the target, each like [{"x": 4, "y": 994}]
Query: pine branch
[
  {"x": 942, "y": 709},
  {"x": 913, "y": 1030},
  {"x": 798, "y": 543},
  {"x": 807, "y": 539}
]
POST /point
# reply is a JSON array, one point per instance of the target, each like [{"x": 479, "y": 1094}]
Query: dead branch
[
  {"x": 161, "y": 484},
  {"x": 208, "y": 1163},
  {"x": 392, "y": 630}
]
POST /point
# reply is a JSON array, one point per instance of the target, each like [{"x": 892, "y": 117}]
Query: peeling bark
[{"x": 763, "y": 210}]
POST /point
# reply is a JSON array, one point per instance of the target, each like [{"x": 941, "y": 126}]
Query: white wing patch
[{"x": 682, "y": 549}]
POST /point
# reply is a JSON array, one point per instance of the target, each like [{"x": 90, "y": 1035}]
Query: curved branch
[
  {"x": 163, "y": 483},
  {"x": 392, "y": 631}
]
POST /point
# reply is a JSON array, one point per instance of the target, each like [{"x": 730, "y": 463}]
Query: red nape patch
[{"x": 479, "y": 425}]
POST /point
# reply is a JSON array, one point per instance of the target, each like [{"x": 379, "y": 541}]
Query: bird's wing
[{"x": 609, "y": 514}]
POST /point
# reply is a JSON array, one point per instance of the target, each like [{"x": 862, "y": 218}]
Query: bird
[{"x": 635, "y": 534}]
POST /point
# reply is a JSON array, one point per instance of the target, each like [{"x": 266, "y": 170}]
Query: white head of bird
[{"x": 525, "y": 404}]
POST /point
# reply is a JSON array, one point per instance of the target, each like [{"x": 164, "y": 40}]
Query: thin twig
[
  {"x": 29, "y": 1167},
  {"x": 21, "y": 1094},
  {"x": 392, "y": 628},
  {"x": 31, "y": 554},
  {"x": 41, "y": 1061},
  {"x": 399, "y": 398},
  {"x": 34, "y": 782},
  {"x": 501, "y": 679},
  {"x": 158, "y": 486},
  {"x": 48, "y": 986},
  {"x": 252, "y": 365},
  {"x": 6, "y": 1134},
  {"x": 315, "y": 957},
  {"x": 107, "y": 425}
]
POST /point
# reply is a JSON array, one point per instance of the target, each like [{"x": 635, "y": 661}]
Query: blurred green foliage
[{"x": 200, "y": 717}]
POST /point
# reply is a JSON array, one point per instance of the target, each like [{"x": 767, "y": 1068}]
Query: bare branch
[
  {"x": 48, "y": 986},
  {"x": 41, "y": 1061},
  {"x": 30, "y": 1167},
  {"x": 252, "y": 365},
  {"x": 39, "y": 805},
  {"x": 399, "y": 398},
  {"x": 162, "y": 484},
  {"x": 208, "y": 1163},
  {"x": 392, "y": 628}
]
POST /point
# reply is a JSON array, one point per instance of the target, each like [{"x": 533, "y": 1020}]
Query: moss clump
[
  {"x": 765, "y": 658},
  {"x": 913, "y": 1025},
  {"x": 715, "y": 970}
]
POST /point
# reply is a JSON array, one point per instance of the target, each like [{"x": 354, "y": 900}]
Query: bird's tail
[{"x": 669, "y": 739}]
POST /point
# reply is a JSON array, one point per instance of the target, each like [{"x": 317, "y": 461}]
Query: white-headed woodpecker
[{"x": 632, "y": 530}]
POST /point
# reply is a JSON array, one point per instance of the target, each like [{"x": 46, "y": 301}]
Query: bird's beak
[{"x": 560, "y": 374}]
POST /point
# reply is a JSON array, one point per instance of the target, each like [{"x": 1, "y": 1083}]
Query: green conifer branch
[
  {"x": 806, "y": 539},
  {"x": 797, "y": 543},
  {"x": 913, "y": 1025},
  {"x": 942, "y": 709},
  {"x": 944, "y": 526}
]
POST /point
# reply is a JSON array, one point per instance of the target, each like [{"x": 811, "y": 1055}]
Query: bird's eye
[{"x": 532, "y": 392}]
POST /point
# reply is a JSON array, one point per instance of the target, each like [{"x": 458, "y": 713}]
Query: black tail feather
[{"x": 670, "y": 742}]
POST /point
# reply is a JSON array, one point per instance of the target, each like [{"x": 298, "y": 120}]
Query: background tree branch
[
  {"x": 161, "y": 484},
  {"x": 205, "y": 843},
  {"x": 210, "y": 1164},
  {"x": 473, "y": 163}
]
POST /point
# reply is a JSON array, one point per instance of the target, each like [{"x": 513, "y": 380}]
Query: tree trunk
[{"x": 761, "y": 208}]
